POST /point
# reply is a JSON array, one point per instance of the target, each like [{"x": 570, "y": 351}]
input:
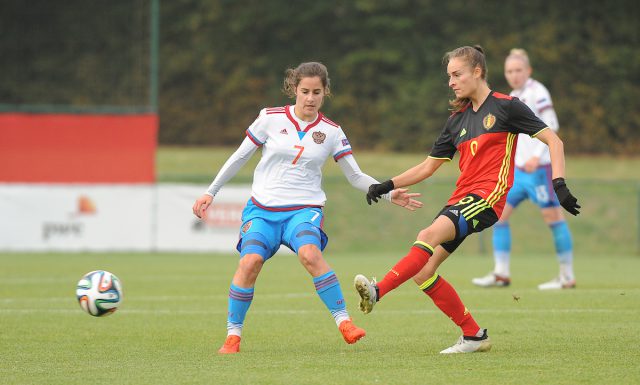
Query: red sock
[
  {"x": 447, "y": 300},
  {"x": 406, "y": 268}
]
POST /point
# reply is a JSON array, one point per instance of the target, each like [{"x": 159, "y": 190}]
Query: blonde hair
[
  {"x": 474, "y": 56},
  {"x": 292, "y": 77},
  {"x": 519, "y": 53}
]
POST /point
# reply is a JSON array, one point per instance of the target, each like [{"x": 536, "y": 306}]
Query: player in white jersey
[
  {"x": 287, "y": 197},
  {"x": 532, "y": 180}
]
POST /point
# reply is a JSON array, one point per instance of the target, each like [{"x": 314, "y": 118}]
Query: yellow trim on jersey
[
  {"x": 433, "y": 157},
  {"x": 473, "y": 209},
  {"x": 429, "y": 282},
  {"x": 546, "y": 128},
  {"x": 424, "y": 244},
  {"x": 503, "y": 175}
]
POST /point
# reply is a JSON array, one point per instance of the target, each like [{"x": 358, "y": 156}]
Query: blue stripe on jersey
[
  {"x": 342, "y": 153},
  {"x": 253, "y": 138}
]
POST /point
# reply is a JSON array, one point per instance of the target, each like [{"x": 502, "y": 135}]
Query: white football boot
[
  {"x": 470, "y": 344},
  {"x": 491, "y": 280},
  {"x": 367, "y": 291},
  {"x": 558, "y": 283}
]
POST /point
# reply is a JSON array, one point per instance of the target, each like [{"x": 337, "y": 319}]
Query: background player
[
  {"x": 483, "y": 128},
  {"x": 532, "y": 180},
  {"x": 287, "y": 197}
]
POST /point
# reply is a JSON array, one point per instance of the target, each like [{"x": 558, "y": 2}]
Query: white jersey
[
  {"x": 536, "y": 96},
  {"x": 293, "y": 153}
]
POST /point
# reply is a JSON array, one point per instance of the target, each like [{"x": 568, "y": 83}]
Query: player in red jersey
[{"x": 484, "y": 128}]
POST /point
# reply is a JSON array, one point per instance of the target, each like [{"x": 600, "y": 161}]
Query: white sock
[{"x": 502, "y": 264}]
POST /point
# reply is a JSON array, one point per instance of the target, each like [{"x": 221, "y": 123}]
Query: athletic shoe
[
  {"x": 350, "y": 332},
  {"x": 470, "y": 344},
  {"x": 367, "y": 291},
  {"x": 557, "y": 284},
  {"x": 231, "y": 345},
  {"x": 491, "y": 280}
]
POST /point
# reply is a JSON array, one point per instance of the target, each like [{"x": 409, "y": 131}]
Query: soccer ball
[{"x": 99, "y": 293}]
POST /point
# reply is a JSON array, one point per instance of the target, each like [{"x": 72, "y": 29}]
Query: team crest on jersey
[
  {"x": 319, "y": 137},
  {"x": 488, "y": 121},
  {"x": 246, "y": 226}
]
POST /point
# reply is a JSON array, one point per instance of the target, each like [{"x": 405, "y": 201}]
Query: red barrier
[{"x": 66, "y": 148}]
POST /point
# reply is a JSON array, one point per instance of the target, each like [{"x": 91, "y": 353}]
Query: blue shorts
[
  {"x": 264, "y": 230},
  {"x": 536, "y": 186}
]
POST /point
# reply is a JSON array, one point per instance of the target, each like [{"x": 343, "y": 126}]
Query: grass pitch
[{"x": 173, "y": 317}]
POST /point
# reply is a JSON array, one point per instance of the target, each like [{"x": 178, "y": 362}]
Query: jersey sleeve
[
  {"x": 257, "y": 131},
  {"x": 444, "y": 148},
  {"x": 522, "y": 120},
  {"x": 341, "y": 146}
]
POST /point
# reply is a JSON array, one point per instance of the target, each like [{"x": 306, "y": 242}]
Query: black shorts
[{"x": 470, "y": 215}]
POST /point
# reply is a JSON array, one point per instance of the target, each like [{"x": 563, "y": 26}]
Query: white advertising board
[{"x": 39, "y": 217}]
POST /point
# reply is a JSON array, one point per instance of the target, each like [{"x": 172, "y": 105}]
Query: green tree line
[{"x": 221, "y": 61}]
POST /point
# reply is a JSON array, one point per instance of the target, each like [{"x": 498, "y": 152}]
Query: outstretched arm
[
  {"x": 418, "y": 173},
  {"x": 410, "y": 177}
]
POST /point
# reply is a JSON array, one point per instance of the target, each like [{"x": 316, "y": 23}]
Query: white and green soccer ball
[{"x": 99, "y": 293}]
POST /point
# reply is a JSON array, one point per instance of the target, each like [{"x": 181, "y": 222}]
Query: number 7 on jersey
[{"x": 301, "y": 148}]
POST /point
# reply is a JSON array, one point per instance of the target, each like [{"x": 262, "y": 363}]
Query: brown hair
[
  {"x": 475, "y": 58},
  {"x": 292, "y": 77}
]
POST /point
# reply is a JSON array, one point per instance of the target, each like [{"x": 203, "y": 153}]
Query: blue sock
[
  {"x": 328, "y": 288},
  {"x": 563, "y": 242},
  {"x": 239, "y": 302},
  {"x": 502, "y": 247}
]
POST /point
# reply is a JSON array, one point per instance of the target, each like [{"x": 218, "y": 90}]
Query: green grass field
[
  {"x": 172, "y": 320},
  {"x": 173, "y": 317}
]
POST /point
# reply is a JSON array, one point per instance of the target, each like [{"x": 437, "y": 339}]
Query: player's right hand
[
  {"x": 568, "y": 201},
  {"x": 201, "y": 205},
  {"x": 377, "y": 190}
]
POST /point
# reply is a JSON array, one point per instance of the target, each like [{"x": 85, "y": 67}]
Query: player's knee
[
  {"x": 309, "y": 255},
  {"x": 250, "y": 264}
]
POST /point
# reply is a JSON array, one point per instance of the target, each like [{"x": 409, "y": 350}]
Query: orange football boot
[
  {"x": 350, "y": 332},
  {"x": 231, "y": 345}
]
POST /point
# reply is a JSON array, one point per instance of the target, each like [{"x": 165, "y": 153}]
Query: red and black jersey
[{"x": 486, "y": 140}]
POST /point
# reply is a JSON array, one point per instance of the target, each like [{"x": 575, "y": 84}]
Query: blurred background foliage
[{"x": 221, "y": 61}]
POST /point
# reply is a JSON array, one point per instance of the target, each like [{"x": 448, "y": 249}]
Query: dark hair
[
  {"x": 474, "y": 56},
  {"x": 305, "y": 70}
]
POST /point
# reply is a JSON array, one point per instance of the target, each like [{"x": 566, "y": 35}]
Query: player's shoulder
[
  {"x": 274, "y": 110},
  {"x": 329, "y": 122}
]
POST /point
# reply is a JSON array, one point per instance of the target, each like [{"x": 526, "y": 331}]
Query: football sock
[
  {"x": 329, "y": 291},
  {"x": 444, "y": 296},
  {"x": 501, "y": 248},
  {"x": 239, "y": 302},
  {"x": 564, "y": 248},
  {"x": 406, "y": 268}
]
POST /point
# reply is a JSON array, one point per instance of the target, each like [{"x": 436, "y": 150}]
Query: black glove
[
  {"x": 377, "y": 190},
  {"x": 568, "y": 201}
]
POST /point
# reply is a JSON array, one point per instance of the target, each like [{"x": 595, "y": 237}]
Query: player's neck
[
  {"x": 304, "y": 118},
  {"x": 478, "y": 97}
]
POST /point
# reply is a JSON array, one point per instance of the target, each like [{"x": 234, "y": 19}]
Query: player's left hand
[
  {"x": 568, "y": 201},
  {"x": 377, "y": 190},
  {"x": 405, "y": 199}
]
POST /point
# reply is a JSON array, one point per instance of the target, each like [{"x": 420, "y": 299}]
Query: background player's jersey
[
  {"x": 486, "y": 140},
  {"x": 289, "y": 173},
  {"x": 537, "y": 98}
]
